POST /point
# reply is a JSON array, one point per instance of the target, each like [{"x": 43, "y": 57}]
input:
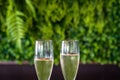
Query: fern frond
[{"x": 15, "y": 25}]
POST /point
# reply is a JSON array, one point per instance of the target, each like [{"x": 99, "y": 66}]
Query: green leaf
[{"x": 31, "y": 7}]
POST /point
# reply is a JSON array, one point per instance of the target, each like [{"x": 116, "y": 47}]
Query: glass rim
[
  {"x": 41, "y": 40},
  {"x": 70, "y": 40}
]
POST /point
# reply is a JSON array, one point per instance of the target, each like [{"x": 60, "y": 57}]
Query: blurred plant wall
[{"x": 95, "y": 23}]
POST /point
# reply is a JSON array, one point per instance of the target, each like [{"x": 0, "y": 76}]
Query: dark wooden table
[{"x": 86, "y": 72}]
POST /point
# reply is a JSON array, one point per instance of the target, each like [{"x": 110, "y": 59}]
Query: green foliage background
[{"x": 95, "y": 23}]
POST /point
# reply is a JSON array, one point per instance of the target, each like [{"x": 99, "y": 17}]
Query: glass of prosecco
[
  {"x": 69, "y": 59},
  {"x": 43, "y": 59}
]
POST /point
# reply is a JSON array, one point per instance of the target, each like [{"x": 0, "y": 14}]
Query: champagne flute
[
  {"x": 43, "y": 59},
  {"x": 69, "y": 59}
]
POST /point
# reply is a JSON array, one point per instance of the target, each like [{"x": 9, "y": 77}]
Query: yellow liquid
[
  {"x": 69, "y": 65},
  {"x": 43, "y": 68}
]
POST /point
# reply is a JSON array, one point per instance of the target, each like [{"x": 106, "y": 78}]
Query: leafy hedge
[{"x": 95, "y": 23}]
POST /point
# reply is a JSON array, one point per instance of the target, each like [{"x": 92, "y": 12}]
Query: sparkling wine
[
  {"x": 69, "y": 65},
  {"x": 43, "y": 68}
]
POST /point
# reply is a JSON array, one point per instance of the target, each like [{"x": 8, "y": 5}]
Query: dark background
[{"x": 85, "y": 72}]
